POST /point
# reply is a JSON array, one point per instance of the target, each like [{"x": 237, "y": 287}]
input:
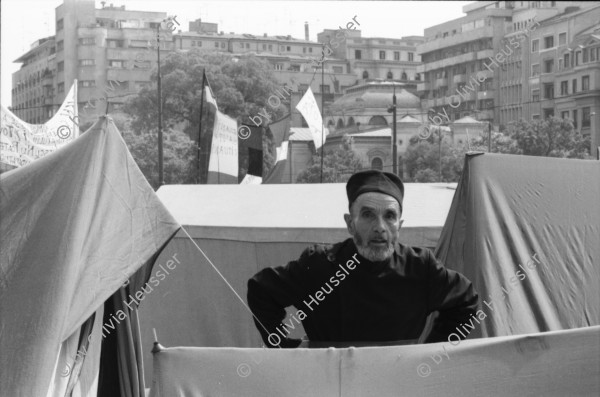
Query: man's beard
[{"x": 374, "y": 254}]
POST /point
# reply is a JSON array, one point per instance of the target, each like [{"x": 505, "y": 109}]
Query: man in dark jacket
[{"x": 368, "y": 289}]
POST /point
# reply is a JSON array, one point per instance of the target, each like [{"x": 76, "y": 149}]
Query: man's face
[{"x": 374, "y": 223}]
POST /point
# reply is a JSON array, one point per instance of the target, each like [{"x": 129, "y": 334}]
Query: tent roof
[{"x": 295, "y": 206}]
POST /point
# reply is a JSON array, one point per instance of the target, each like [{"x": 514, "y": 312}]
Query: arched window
[
  {"x": 330, "y": 123},
  {"x": 340, "y": 123},
  {"x": 390, "y": 75},
  {"x": 365, "y": 75},
  {"x": 378, "y": 120},
  {"x": 418, "y": 76},
  {"x": 350, "y": 121},
  {"x": 404, "y": 77},
  {"x": 377, "y": 164}
]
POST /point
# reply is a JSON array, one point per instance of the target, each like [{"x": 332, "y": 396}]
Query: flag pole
[
  {"x": 322, "y": 110},
  {"x": 161, "y": 180},
  {"x": 200, "y": 126}
]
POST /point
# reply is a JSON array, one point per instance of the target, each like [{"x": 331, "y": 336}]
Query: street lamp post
[
  {"x": 392, "y": 109},
  {"x": 161, "y": 180}
]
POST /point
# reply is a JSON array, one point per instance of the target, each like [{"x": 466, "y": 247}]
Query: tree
[
  {"x": 178, "y": 151},
  {"x": 553, "y": 137},
  {"x": 422, "y": 159},
  {"x": 242, "y": 88},
  {"x": 338, "y": 165}
]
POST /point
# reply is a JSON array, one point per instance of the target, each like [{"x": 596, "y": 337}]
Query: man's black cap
[{"x": 375, "y": 181}]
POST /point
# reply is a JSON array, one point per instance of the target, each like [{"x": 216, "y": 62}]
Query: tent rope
[{"x": 226, "y": 282}]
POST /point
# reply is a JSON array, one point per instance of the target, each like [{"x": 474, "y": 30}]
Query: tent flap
[
  {"x": 526, "y": 230},
  {"x": 75, "y": 225}
]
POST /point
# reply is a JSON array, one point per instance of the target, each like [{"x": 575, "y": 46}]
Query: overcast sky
[{"x": 24, "y": 21}]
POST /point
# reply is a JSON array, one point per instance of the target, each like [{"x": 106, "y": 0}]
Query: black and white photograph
[{"x": 285, "y": 198}]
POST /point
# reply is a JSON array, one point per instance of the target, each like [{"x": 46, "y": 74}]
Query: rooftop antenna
[{"x": 103, "y": 3}]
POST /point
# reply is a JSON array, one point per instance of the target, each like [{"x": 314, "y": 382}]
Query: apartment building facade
[
  {"x": 474, "y": 66},
  {"x": 110, "y": 51}
]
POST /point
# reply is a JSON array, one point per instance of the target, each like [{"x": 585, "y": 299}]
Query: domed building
[{"x": 363, "y": 113}]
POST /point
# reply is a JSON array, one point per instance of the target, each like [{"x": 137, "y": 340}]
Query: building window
[
  {"x": 247, "y": 45},
  {"x": 365, "y": 75},
  {"x": 535, "y": 70},
  {"x": 574, "y": 86},
  {"x": 535, "y": 45},
  {"x": 575, "y": 118},
  {"x": 535, "y": 95},
  {"x": 289, "y": 48},
  {"x": 549, "y": 66},
  {"x": 309, "y": 49},
  {"x": 585, "y": 55},
  {"x": 60, "y": 24},
  {"x": 61, "y": 87},
  {"x": 564, "y": 115},
  {"x": 567, "y": 58},
  {"x": 564, "y": 87},
  {"x": 390, "y": 75},
  {"x": 87, "y": 83},
  {"x": 278, "y": 66},
  {"x": 378, "y": 120},
  {"x": 114, "y": 43},
  {"x": 60, "y": 45},
  {"x": 357, "y": 54},
  {"x": 381, "y": 54},
  {"x": 411, "y": 57},
  {"x": 216, "y": 44},
  {"x": 396, "y": 55},
  {"x": 549, "y": 91},
  {"x": 324, "y": 89},
  {"x": 562, "y": 39},
  {"x": 548, "y": 41},
  {"x": 222, "y": 44},
  {"x": 585, "y": 83},
  {"x": 404, "y": 76},
  {"x": 87, "y": 41},
  {"x": 116, "y": 64},
  {"x": 585, "y": 117},
  {"x": 60, "y": 66},
  {"x": 377, "y": 164}
]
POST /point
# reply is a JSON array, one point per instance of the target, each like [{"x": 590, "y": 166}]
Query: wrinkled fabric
[
  {"x": 561, "y": 363},
  {"x": 75, "y": 225},
  {"x": 526, "y": 231}
]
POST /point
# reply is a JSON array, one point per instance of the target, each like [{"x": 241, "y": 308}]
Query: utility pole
[
  {"x": 392, "y": 109},
  {"x": 161, "y": 180},
  {"x": 489, "y": 137}
]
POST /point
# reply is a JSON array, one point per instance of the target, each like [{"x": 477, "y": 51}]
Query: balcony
[
  {"x": 443, "y": 63},
  {"x": 484, "y": 74},
  {"x": 485, "y": 54},
  {"x": 459, "y": 78},
  {"x": 463, "y": 37},
  {"x": 489, "y": 94},
  {"x": 442, "y": 82},
  {"x": 464, "y": 96},
  {"x": 423, "y": 86}
]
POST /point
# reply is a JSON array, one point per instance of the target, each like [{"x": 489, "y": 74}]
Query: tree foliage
[
  {"x": 241, "y": 86},
  {"x": 422, "y": 160},
  {"x": 553, "y": 137},
  {"x": 338, "y": 165}
]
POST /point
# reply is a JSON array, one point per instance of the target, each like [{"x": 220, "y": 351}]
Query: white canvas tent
[
  {"x": 75, "y": 225},
  {"x": 243, "y": 229}
]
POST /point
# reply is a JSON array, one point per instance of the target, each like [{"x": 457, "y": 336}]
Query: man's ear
[{"x": 348, "y": 219}]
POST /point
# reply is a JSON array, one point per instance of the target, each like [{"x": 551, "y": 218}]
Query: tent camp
[
  {"x": 536, "y": 216},
  {"x": 243, "y": 229},
  {"x": 75, "y": 226}
]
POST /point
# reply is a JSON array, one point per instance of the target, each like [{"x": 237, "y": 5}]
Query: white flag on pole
[{"x": 310, "y": 111}]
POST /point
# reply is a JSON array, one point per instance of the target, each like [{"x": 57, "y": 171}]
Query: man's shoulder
[
  {"x": 323, "y": 252},
  {"x": 417, "y": 259}
]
